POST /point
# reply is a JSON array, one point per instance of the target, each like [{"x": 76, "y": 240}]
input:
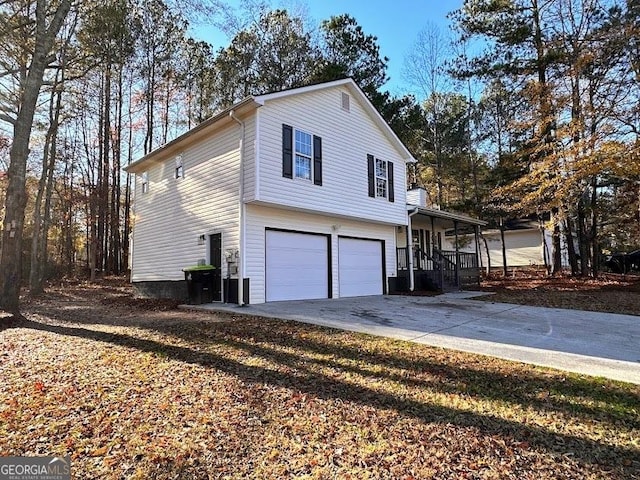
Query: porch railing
[
  {"x": 442, "y": 267},
  {"x": 464, "y": 260}
]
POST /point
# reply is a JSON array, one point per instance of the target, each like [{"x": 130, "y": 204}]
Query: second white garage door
[
  {"x": 360, "y": 270},
  {"x": 297, "y": 266}
]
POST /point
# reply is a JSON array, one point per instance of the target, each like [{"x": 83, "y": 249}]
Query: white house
[{"x": 301, "y": 194}]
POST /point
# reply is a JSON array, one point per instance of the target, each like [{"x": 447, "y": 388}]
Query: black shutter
[
  {"x": 390, "y": 181},
  {"x": 317, "y": 160},
  {"x": 372, "y": 176},
  {"x": 287, "y": 151}
]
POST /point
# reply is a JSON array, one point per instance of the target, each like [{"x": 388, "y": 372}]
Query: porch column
[
  {"x": 476, "y": 232},
  {"x": 433, "y": 236},
  {"x": 455, "y": 230},
  {"x": 410, "y": 255}
]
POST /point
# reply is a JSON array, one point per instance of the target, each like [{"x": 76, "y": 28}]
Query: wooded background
[{"x": 524, "y": 108}]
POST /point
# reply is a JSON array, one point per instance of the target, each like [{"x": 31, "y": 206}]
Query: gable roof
[
  {"x": 253, "y": 102},
  {"x": 357, "y": 92}
]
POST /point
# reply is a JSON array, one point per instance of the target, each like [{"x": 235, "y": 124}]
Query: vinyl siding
[
  {"x": 523, "y": 247},
  {"x": 250, "y": 159},
  {"x": 260, "y": 217},
  {"x": 175, "y": 212},
  {"x": 347, "y": 138}
]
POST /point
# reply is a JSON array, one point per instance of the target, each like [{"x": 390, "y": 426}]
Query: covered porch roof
[{"x": 454, "y": 218}]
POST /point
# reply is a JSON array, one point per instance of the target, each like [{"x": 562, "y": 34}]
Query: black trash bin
[{"x": 200, "y": 284}]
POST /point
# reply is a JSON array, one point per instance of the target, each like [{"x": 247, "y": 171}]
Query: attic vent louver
[{"x": 345, "y": 101}]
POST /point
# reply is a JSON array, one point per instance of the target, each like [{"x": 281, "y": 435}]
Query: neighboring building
[
  {"x": 527, "y": 244},
  {"x": 301, "y": 194}
]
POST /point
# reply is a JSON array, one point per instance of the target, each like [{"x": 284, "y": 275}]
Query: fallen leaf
[{"x": 99, "y": 452}]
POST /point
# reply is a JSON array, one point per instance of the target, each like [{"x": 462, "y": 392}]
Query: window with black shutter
[
  {"x": 287, "y": 151},
  {"x": 301, "y": 155},
  {"x": 317, "y": 160},
  {"x": 380, "y": 178}
]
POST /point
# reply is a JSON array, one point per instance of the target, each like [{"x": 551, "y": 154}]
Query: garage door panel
[
  {"x": 296, "y": 266},
  {"x": 360, "y": 267}
]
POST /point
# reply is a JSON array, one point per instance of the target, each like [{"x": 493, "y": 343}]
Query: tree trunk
[
  {"x": 571, "y": 250},
  {"x": 42, "y": 215},
  {"x": 115, "y": 244},
  {"x": 545, "y": 249},
  {"x": 69, "y": 247},
  {"x": 556, "y": 244},
  {"x": 595, "y": 246},
  {"x": 102, "y": 241},
  {"x": 504, "y": 248},
  {"x": 16, "y": 198},
  {"x": 583, "y": 239},
  {"x": 486, "y": 248},
  {"x": 127, "y": 194}
]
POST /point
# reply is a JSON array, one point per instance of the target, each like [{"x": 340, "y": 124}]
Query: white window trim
[
  {"x": 144, "y": 182},
  {"x": 296, "y": 155},
  {"x": 178, "y": 171},
  {"x": 384, "y": 177}
]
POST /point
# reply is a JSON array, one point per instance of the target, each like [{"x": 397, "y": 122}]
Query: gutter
[
  {"x": 431, "y": 212},
  {"x": 241, "y": 212}
]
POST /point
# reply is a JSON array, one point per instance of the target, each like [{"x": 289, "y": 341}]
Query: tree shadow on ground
[
  {"x": 552, "y": 393},
  {"x": 300, "y": 375}
]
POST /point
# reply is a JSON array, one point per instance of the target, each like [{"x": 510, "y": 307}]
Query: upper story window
[
  {"x": 303, "y": 152},
  {"x": 381, "y": 178},
  {"x": 144, "y": 181},
  {"x": 301, "y": 155},
  {"x": 179, "y": 170}
]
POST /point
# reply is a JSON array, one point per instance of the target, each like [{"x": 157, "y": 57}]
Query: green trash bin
[{"x": 200, "y": 283}]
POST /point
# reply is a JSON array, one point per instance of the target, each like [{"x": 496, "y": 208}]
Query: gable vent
[{"x": 345, "y": 101}]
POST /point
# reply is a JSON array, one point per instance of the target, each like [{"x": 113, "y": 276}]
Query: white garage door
[
  {"x": 297, "y": 266},
  {"x": 360, "y": 267}
]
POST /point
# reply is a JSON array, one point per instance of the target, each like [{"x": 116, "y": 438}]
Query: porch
[
  {"x": 435, "y": 255},
  {"x": 440, "y": 270}
]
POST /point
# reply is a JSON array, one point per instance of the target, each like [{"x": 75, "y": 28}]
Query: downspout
[
  {"x": 412, "y": 285},
  {"x": 241, "y": 212}
]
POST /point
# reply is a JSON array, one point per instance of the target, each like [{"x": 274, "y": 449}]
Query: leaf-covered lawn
[
  {"x": 138, "y": 390},
  {"x": 609, "y": 293}
]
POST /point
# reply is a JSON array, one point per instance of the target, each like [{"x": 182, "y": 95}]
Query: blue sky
[{"x": 396, "y": 23}]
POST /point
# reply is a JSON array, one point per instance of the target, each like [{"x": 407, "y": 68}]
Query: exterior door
[
  {"x": 215, "y": 260},
  {"x": 418, "y": 249}
]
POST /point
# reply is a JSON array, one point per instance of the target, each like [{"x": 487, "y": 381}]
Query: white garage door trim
[
  {"x": 296, "y": 265},
  {"x": 361, "y": 266}
]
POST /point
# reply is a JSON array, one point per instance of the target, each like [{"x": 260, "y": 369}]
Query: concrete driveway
[{"x": 600, "y": 344}]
